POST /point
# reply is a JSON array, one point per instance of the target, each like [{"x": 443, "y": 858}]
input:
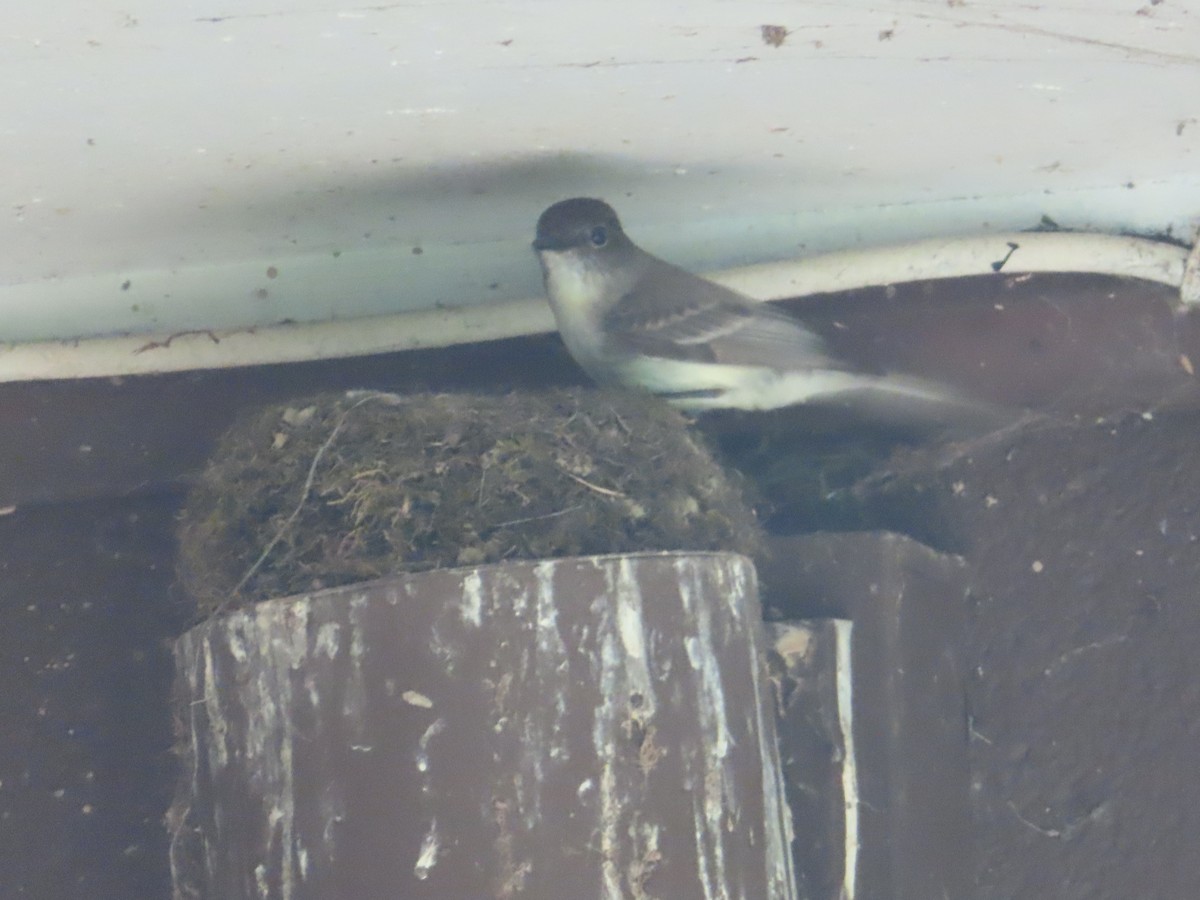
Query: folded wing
[{"x": 688, "y": 318}]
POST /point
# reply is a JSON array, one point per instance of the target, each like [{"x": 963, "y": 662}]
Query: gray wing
[{"x": 677, "y": 315}]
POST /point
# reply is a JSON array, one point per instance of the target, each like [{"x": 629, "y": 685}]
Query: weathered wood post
[{"x": 592, "y": 727}]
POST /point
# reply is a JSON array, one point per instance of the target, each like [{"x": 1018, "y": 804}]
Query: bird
[{"x": 634, "y": 320}]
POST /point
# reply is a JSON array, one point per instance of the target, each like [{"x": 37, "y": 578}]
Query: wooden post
[
  {"x": 885, "y": 701},
  {"x": 591, "y": 727}
]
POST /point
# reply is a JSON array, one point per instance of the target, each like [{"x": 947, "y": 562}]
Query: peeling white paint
[
  {"x": 263, "y": 664},
  {"x": 217, "y": 727},
  {"x": 632, "y": 627},
  {"x": 505, "y": 584},
  {"x": 416, "y": 698},
  {"x": 328, "y": 642},
  {"x": 627, "y": 661},
  {"x": 738, "y": 581},
  {"x": 435, "y": 728},
  {"x": 543, "y": 736},
  {"x": 714, "y": 783},
  {"x": 472, "y": 599},
  {"x": 586, "y": 788},
  {"x": 354, "y": 699},
  {"x": 332, "y": 811},
  {"x": 237, "y": 646},
  {"x": 777, "y": 816},
  {"x": 552, "y": 661},
  {"x": 197, "y": 683},
  {"x": 703, "y": 862},
  {"x": 310, "y": 689},
  {"x": 844, "y": 664},
  {"x": 604, "y": 726},
  {"x": 428, "y": 855},
  {"x": 610, "y": 804}
]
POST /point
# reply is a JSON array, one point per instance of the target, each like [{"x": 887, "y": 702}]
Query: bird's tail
[{"x": 916, "y": 403}]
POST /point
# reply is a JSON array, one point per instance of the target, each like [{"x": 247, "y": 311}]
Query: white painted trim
[
  {"x": 956, "y": 257},
  {"x": 927, "y": 259}
]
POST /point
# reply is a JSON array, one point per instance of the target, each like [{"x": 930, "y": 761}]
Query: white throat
[{"x": 580, "y": 295}]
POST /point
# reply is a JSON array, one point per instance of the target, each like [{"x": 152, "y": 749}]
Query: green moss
[{"x": 349, "y": 487}]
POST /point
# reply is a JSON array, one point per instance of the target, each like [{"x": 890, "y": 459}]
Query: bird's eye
[{"x": 599, "y": 236}]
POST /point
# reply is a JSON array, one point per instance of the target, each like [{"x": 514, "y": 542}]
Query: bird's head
[{"x": 582, "y": 225}]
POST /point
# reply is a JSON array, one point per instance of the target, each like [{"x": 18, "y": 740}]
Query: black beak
[{"x": 546, "y": 243}]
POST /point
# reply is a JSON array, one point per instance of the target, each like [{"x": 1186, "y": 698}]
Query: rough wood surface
[
  {"x": 812, "y": 675},
  {"x": 589, "y": 727},
  {"x": 912, "y": 824}
]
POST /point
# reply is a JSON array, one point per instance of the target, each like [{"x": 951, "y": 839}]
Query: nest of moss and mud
[{"x": 340, "y": 488}]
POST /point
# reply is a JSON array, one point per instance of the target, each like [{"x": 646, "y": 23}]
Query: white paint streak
[
  {"x": 628, "y": 692},
  {"x": 778, "y": 832},
  {"x": 610, "y": 805},
  {"x": 631, "y": 627},
  {"x": 551, "y": 649},
  {"x": 310, "y": 689},
  {"x": 608, "y": 838},
  {"x": 237, "y": 646},
  {"x": 354, "y": 701},
  {"x": 218, "y": 728},
  {"x": 435, "y": 728},
  {"x": 702, "y": 856},
  {"x": 737, "y": 579},
  {"x": 416, "y": 698},
  {"x": 328, "y": 642},
  {"x": 702, "y": 656},
  {"x": 604, "y": 725},
  {"x": 294, "y": 647},
  {"x": 263, "y": 664},
  {"x": 716, "y": 787},
  {"x": 427, "y": 858},
  {"x": 843, "y": 629},
  {"x": 471, "y": 606},
  {"x": 543, "y": 735},
  {"x": 198, "y": 683}
]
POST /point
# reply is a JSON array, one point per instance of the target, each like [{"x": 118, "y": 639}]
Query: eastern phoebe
[{"x": 632, "y": 319}]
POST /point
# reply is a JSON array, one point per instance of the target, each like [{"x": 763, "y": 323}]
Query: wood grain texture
[{"x": 587, "y": 727}]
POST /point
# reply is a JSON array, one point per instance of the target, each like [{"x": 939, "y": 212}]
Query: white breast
[{"x": 577, "y": 297}]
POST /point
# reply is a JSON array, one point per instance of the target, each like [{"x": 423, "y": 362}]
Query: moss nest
[{"x": 340, "y": 488}]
